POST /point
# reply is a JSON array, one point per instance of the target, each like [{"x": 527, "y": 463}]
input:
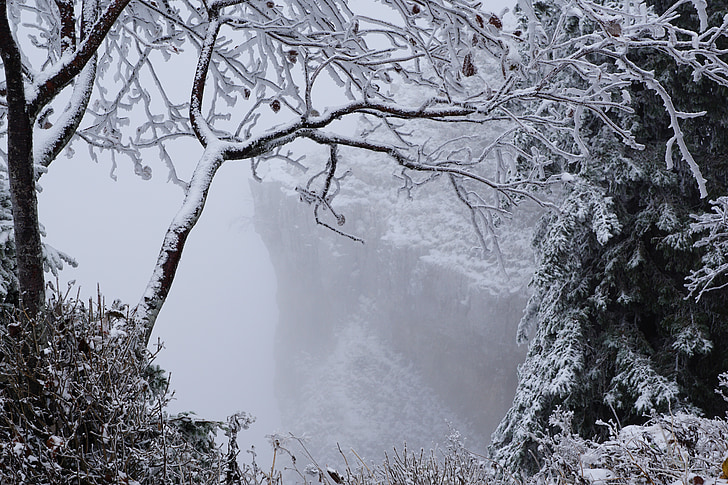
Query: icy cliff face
[{"x": 399, "y": 339}]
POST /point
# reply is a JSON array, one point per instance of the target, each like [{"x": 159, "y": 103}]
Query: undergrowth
[
  {"x": 82, "y": 402},
  {"x": 679, "y": 449}
]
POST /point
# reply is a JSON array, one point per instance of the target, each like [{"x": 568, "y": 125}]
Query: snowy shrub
[
  {"x": 81, "y": 402},
  {"x": 457, "y": 465},
  {"x": 675, "y": 449},
  {"x": 453, "y": 465},
  {"x": 679, "y": 449}
]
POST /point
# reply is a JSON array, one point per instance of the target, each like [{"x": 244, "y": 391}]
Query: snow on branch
[
  {"x": 272, "y": 74},
  {"x": 369, "y": 75}
]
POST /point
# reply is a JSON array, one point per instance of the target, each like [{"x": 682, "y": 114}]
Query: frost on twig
[
  {"x": 321, "y": 199},
  {"x": 269, "y": 74}
]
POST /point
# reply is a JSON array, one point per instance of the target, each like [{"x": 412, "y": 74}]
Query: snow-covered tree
[
  {"x": 613, "y": 331},
  {"x": 269, "y": 74}
]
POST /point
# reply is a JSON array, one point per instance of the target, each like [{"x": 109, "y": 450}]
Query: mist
[
  {"x": 406, "y": 338},
  {"x": 216, "y": 330}
]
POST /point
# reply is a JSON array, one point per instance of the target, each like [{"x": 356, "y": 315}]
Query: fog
[
  {"x": 405, "y": 338},
  {"x": 367, "y": 345}
]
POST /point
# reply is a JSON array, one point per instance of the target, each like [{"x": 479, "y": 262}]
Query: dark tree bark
[{"x": 21, "y": 175}]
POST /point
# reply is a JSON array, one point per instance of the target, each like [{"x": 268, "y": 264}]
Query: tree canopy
[{"x": 269, "y": 74}]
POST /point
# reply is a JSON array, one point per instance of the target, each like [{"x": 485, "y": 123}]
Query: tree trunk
[
  {"x": 174, "y": 241},
  {"x": 28, "y": 248}
]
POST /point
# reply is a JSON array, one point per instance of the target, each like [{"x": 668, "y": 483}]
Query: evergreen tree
[
  {"x": 615, "y": 334},
  {"x": 8, "y": 280}
]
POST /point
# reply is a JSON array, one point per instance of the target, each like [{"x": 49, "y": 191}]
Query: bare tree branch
[{"x": 347, "y": 76}]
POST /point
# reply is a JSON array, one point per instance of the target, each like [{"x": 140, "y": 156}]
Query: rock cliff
[{"x": 398, "y": 339}]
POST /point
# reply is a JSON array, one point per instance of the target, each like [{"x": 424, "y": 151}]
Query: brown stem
[
  {"x": 28, "y": 248},
  {"x": 68, "y": 24},
  {"x": 199, "y": 125}
]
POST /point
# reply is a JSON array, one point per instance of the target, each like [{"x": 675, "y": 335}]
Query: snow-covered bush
[
  {"x": 452, "y": 465},
  {"x": 681, "y": 449},
  {"x": 82, "y": 402},
  {"x": 675, "y": 449}
]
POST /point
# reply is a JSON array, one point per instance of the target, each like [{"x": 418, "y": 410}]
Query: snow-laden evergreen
[
  {"x": 8, "y": 278},
  {"x": 712, "y": 228},
  {"x": 613, "y": 332},
  {"x": 54, "y": 259}
]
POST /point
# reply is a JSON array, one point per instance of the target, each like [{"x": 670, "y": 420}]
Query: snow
[
  {"x": 117, "y": 331},
  {"x": 19, "y": 448},
  {"x": 55, "y": 441},
  {"x": 44, "y": 140},
  {"x": 701, "y": 7},
  {"x": 434, "y": 229},
  {"x": 599, "y": 476}
]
